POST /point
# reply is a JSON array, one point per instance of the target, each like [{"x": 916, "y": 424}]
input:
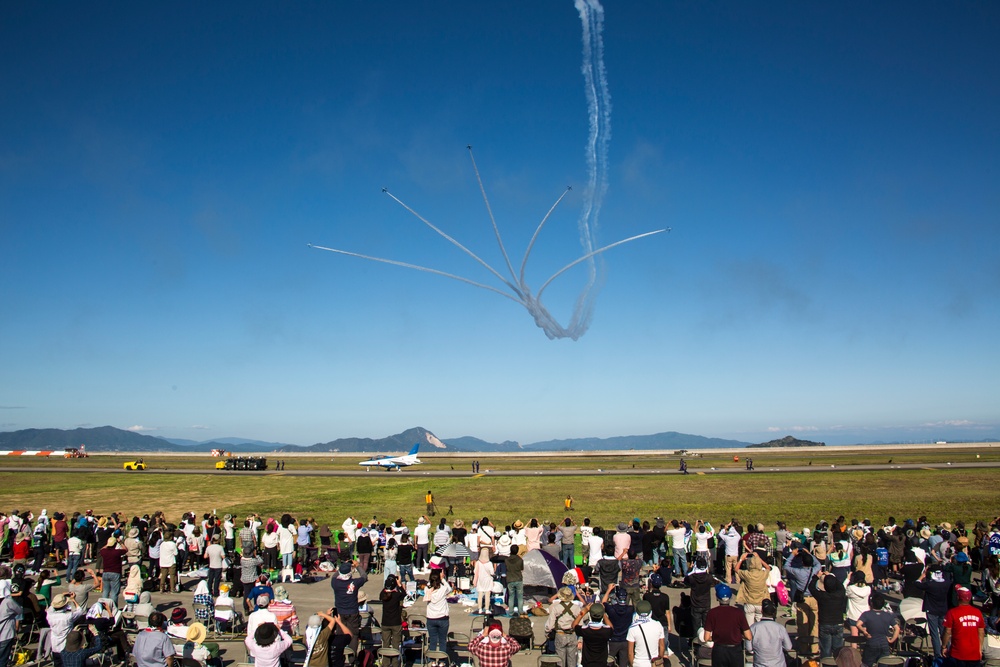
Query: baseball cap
[{"x": 723, "y": 592}]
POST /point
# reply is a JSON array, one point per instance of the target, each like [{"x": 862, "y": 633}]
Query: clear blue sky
[{"x": 830, "y": 172}]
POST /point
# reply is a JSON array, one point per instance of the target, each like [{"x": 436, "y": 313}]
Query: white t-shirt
[
  {"x": 216, "y": 556},
  {"x": 421, "y": 534},
  {"x": 647, "y": 642},
  {"x": 168, "y": 553},
  {"x": 350, "y": 526},
  {"x": 677, "y": 540},
  {"x": 596, "y": 550},
  {"x": 732, "y": 540},
  {"x": 74, "y": 545},
  {"x": 857, "y": 601},
  {"x": 586, "y": 532},
  {"x": 286, "y": 540},
  {"x": 701, "y": 539}
]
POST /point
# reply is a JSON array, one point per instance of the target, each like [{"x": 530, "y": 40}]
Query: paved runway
[{"x": 416, "y": 471}]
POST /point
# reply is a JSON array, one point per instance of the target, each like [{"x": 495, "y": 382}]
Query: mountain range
[{"x": 109, "y": 438}]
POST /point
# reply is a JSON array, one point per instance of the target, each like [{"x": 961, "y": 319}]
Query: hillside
[
  {"x": 108, "y": 438},
  {"x": 668, "y": 440},
  {"x": 100, "y": 439},
  {"x": 788, "y": 441}
]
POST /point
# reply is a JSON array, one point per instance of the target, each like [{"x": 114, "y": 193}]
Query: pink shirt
[
  {"x": 622, "y": 543},
  {"x": 268, "y": 656}
]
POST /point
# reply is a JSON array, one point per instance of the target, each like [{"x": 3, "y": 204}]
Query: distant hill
[
  {"x": 788, "y": 441},
  {"x": 668, "y": 440},
  {"x": 401, "y": 442},
  {"x": 108, "y": 438},
  {"x": 100, "y": 439},
  {"x": 229, "y": 444}
]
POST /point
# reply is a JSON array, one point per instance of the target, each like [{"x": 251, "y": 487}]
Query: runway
[{"x": 417, "y": 472}]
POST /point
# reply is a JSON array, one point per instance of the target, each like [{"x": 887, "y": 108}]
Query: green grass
[
  {"x": 799, "y": 498},
  {"x": 582, "y": 461}
]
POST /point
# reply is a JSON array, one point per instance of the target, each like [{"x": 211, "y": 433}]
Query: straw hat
[
  {"x": 60, "y": 601},
  {"x": 458, "y": 524},
  {"x": 197, "y": 633}
]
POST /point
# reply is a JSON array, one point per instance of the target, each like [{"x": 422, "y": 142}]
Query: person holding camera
[
  {"x": 392, "y": 597},
  {"x": 492, "y": 647},
  {"x": 153, "y": 647},
  {"x": 323, "y": 648},
  {"x": 112, "y": 556}
]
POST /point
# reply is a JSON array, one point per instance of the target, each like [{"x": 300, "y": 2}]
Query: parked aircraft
[{"x": 397, "y": 462}]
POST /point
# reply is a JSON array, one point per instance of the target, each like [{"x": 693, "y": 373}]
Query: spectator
[
  {"x": 153, "y": 647},
  {"x": 267, "y": 644},
  {"x": 646, "y": 641},
  {"x": 879, "y": 625},
  {"x": 346, "y": 586},
  {"x": 562, "y": 613},
  {"x": 492, "y": 647},
  {"x": 726, "y": 627},
  {"x": 964, "y": 630},
  {"x": 323, "y": 648},
  {"x": 831, "y": 604},
  {"x": 595, "y": 634},
  {"x": 770, "y": 639}
]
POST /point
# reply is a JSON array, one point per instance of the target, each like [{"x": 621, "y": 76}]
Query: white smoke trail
[{"x": 599, "y": 112}]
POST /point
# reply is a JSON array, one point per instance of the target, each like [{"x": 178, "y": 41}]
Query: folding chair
[
  {"x": 204, "y": 613},
  {"x": 235, "y": 622},
  {"x": 458, "y": 643},
  {"x": 478, "y": 623},
  {"x": 891, "y": 661}
]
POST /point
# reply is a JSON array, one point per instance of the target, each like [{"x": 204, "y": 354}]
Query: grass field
[
  {"x": 799, "y": 498},
  {"x": 763, "y": 458}
]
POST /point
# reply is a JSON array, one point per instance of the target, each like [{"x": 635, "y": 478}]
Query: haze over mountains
[{"x": 109, "y": 438}]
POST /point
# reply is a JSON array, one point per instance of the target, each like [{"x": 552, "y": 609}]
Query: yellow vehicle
[
  {"x": 220, "y": 465},
  {"x": 134, "y": 465}
]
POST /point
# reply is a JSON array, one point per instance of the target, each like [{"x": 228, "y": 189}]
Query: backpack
[
  {"x": 882, "y": 555},
  {"x": 520, "y": 626},
  {"x": 995, "y": 544},
  {"x": 781, "y": 591}
]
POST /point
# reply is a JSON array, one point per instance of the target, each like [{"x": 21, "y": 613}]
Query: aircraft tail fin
[{"x": 413, "y": 451}]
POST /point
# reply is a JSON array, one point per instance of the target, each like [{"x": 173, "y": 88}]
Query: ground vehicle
[
  {"x": 242, "y": 463},
  {"x": 134, "y": 465},
  {"x": 74, "y": 453}
]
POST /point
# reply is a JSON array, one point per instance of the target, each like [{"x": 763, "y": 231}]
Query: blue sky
[{"x": 830, "y": 172}]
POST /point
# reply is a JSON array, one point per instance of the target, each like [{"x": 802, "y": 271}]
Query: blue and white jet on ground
[{"x": 395, "y": 462}]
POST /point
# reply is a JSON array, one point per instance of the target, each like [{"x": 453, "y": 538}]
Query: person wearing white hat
[{"x": 62, "y": 615}]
